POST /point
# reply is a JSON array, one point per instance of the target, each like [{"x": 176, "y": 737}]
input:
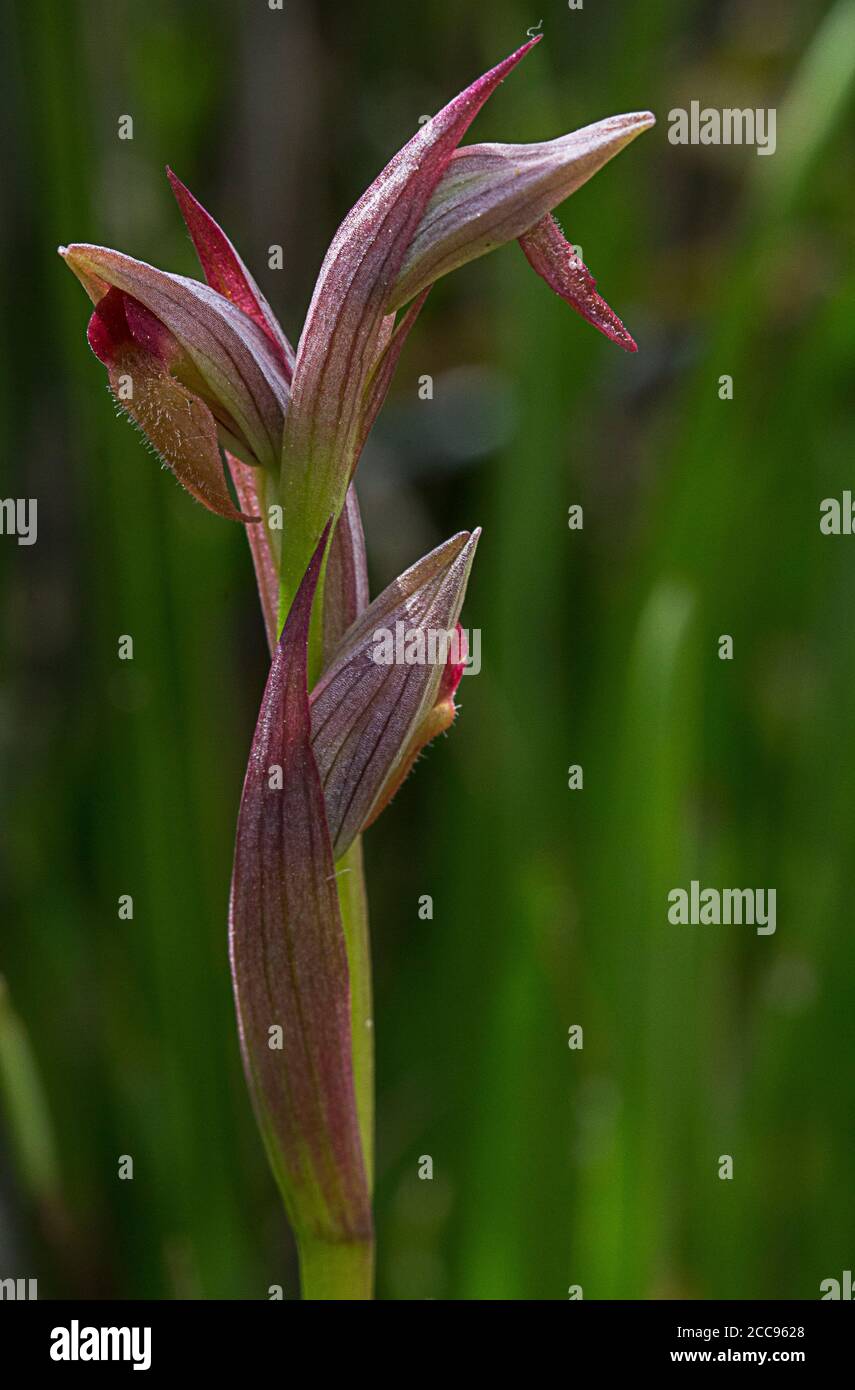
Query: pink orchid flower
[{"x": 204, "y": 367}]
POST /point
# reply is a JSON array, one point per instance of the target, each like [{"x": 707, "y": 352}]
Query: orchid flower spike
[
  {"x": 199, "y": 367},
  {"x": 204, "y": 368}
]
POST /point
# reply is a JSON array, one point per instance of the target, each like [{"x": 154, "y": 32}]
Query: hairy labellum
[
  {"x": 231, "y": 362},
  {"x": 549, "y": 252},
  {"x": 141, "y": 357}
]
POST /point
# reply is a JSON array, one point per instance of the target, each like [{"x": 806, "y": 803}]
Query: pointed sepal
[
  {"x": 373, "y": 708},
  {"x": 347, "y": 323},
  {"x": 492, "y": 194},
  {"x": 226, "y": 273}
]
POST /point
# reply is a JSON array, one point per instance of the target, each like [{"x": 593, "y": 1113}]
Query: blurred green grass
[{"x": 552, "y": 1167}]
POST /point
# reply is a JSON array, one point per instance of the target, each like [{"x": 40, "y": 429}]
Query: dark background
[{"x": 552, "y": 1167}]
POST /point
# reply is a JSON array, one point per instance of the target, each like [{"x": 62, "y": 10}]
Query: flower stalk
[{"x": 271, "y": 438}]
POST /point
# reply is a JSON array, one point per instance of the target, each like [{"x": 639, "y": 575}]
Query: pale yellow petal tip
[
  {"x": 93, "y": 284},
  {"x": 633, "y": 123}
]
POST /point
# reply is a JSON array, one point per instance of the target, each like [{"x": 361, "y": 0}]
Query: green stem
[
  {"x": 336, "y": 1271},
  {"x": 329, "y": 1269},
  {"x": 354, "y": 914},
  {"x": 290, "y": 578}
]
